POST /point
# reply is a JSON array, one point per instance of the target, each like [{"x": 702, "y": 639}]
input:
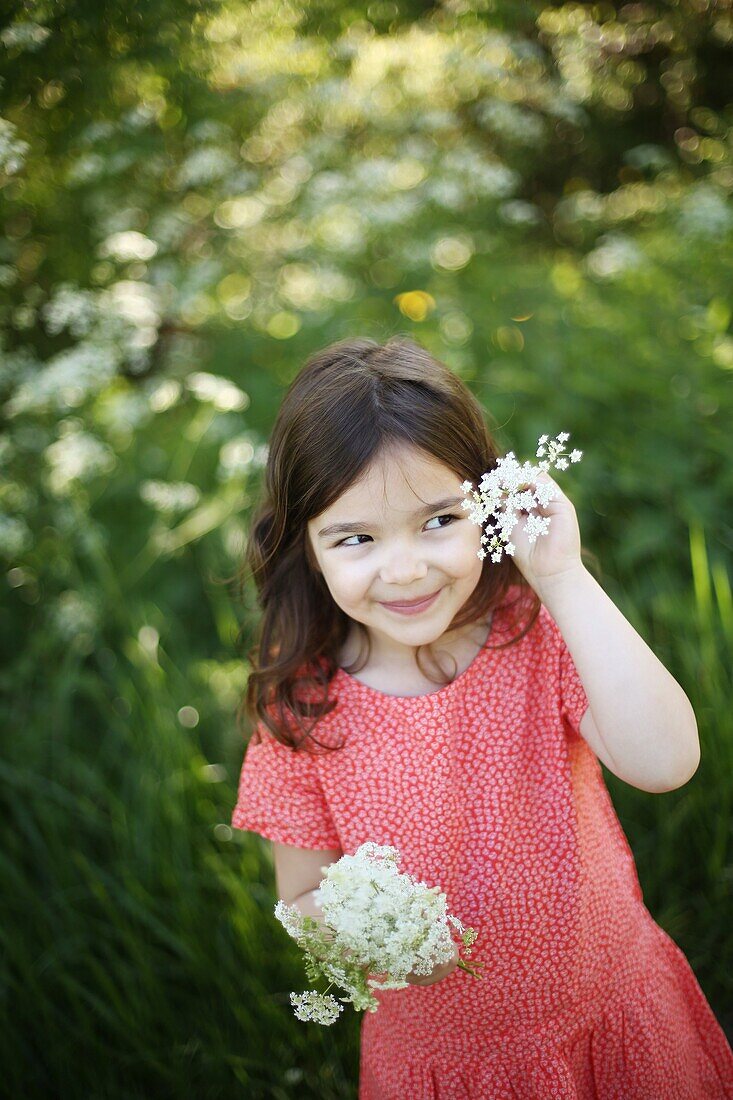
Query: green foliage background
[{"x": 195, "y": 195}]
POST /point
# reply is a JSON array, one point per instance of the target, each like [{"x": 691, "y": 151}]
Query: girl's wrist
[{"x": 549, "y": 587}]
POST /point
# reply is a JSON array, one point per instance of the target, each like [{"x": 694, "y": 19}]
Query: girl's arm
[
  {"x": 309, "y": 907},
  {"x": 299, "y": 870},
  {"x": 637, "y": 710}
]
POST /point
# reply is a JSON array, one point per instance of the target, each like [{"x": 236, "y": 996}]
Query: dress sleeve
[
  {"x": 574, "y": 701},
  {"x": 281, "y": 798},
  {"x": 572, "y": 698}
]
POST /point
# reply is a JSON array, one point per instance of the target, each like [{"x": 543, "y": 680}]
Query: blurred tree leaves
[{"x": 197, "y": 194}]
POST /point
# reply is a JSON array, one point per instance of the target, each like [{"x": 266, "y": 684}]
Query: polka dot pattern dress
[{"x": 488, "y": 790}]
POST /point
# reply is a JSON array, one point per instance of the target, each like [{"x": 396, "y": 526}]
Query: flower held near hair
[
  {"x": 378, "y": 921},
  {"x": 509, "y": 489}
]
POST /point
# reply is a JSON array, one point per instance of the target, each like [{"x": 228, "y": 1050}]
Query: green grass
[{"x": 140, "y": 954}]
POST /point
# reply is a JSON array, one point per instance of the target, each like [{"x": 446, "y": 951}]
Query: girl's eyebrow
[{"x": 359, "y": 527}]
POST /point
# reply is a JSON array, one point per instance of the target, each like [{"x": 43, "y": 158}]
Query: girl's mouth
[{"x": 413, "y": 607}]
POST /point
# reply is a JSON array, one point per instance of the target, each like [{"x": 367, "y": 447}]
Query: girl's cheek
[
  {"x": 350, "y": 578},
  {"x": 463, "y": 553}
]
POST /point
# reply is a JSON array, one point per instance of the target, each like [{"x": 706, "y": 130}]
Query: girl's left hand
[{"x": 555, "y": 552}]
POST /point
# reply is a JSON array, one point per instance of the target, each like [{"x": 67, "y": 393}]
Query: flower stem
[{"x": 468, "y": 969}]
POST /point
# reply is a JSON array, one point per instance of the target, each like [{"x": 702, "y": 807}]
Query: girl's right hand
[{"x": 442, "y": 970}]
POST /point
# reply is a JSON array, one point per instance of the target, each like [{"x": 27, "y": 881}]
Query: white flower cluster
[
  {"x": 613, "y": 256},
  {"x": 705, "y": 212},
  {"x": 12, "y": 149},
  {"x": 378, "y": 920},
  {"x": 222, "y": 393},
  {"x": 170, "y": 496},
  {"x": 204, "y": 165},
  {"x": 509, "y": 489},
  {"x": 128, "y": 245},
  {"x": 115, "y": 327},
  {"x": 66, "y": 380},
  {"x": 73, "y": 613},
  {"x": 24, "y": 36},
  {"x": 72, "y": 308},
  {"x": 515, "y": 124},
  {"x": 15, "y": 536},
  {"x": 320, "y": 1007},
  {"x": 78, "y": 456}
]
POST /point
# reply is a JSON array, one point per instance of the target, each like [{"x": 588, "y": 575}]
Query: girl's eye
[
  {"x": 345, "y": 542},
  {"x": 443, "y": 517}
]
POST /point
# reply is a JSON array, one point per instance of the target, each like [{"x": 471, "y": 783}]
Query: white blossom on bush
[
  {"x": 85, "y": 169},
  {"x": 72, "y": 613},
  {"x": 77, "y": 456},
  {"x": 613, "y": 256},
  {"x": 169, "y": 496},
  {"x": 220, "y": 392},
  {"x": 12, "y": 149},
  {"x": 235, "y": 457},
  {"x": 24, "y": 36},
  {"x": 163, "y": 395},
  {"x": 705, "y": 212},
  {"x": 15, "y": 536},
  {"x": 66, "y": 380},
  {"x": 70, "y": 308},
  {"x": 128, "y": 245},
  {"x": 204, "y": 165}
]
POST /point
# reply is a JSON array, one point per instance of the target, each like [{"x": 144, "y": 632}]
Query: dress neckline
[{"x": 359, "y": 685}]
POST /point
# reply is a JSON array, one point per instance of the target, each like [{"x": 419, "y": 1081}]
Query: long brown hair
[{"x": 347, "y": 403}]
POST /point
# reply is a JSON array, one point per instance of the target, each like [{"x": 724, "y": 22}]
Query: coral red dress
[{"x": 487, "y": 789}]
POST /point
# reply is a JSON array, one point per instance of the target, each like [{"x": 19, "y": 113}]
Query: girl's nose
[{"x": 402, "y": 568}]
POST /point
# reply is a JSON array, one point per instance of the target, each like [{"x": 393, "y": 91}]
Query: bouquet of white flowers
[
  {"x": 378, "y": 921},
  {"x": 508, "y": 489}
]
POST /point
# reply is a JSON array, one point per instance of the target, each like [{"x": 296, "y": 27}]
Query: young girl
[{"x": 407, "y": 692}]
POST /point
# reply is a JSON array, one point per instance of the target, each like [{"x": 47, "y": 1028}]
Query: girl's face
[{"x": 381, "y": 542}]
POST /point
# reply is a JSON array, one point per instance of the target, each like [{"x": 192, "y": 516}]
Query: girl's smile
[{"x": 413, "y": 607}]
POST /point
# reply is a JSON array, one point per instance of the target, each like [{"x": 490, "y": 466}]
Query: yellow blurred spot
[
  {"x": 51, "y": 93},
  {"x": 566, "y": 278},
  {"x": 509, "y": 338},
  {"x": 415, "y": 304},
  {"x": 723, "y": 352},
  {"x": 618, "y": 98},
  {"x": 283, "y": 325},
  {"x": 712, "y": 149},
  {"x": 522, "y": 317},
  {"x": 196, "y": 205},
  {"x": 239, "y": 213},
  {"x": 718, "y": 314},
  {"x": 234, "y": 287},
  {"x": 234, "y": 292},
  {"x": 407, "y": 173}
]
